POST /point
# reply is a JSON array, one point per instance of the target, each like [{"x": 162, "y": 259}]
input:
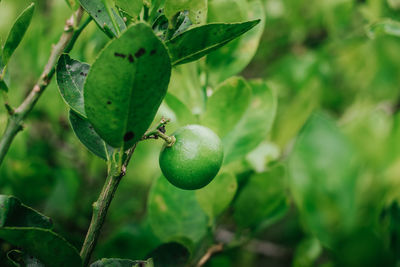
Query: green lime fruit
[{"x": 194, "y": 159}]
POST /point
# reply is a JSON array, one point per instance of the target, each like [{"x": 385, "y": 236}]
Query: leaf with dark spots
[
  {"x": 135, "y": 95},
  {"x": 152, "y": 52},
  {"x": 140, "y": 52},
  {"x": 128, "y": 136}
]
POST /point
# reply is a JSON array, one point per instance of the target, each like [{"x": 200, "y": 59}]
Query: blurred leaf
[
  {"x": 98, "y": 11},
  {"x": 72, "y": 4},
  {"x": 323, "y": 173},
  {"x": 186, "y": 86},
  {"x": 71, "y": 75},
  {"x": 307, "y": 252},
  {"x": 17, "y": 32},
  {"x": 119, "y": 263},
  {"x": 235, "y": 56},
  {"x": 45, "y": 245},
  {"x": 132, "y": 7},
  {"x": 197, "y": 9},
  {"x": 216, "y": 196},
  {"x": 15, "y": 214},
  {"x": 383, "y": 27},
  {"x": 186, "y": 47},
  {"x": 268, "y": 191},
  {"x": 171, "y": 254},
  {"x": 227, "y": 105},
  {"x": 183, "y": 114},
  {"x": 125, "y": 86},
  {"x": 88, "y": 136},
  {"x": 175, "y": 213},
  {"x": 254, "y": 125}
]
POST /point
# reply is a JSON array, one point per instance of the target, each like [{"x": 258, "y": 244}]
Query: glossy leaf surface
[
  {"x": 88, "y": 136},
  {"x": 98, "y": 11},
  {"x": 199, "y": 41},
  {"x": 17, "y": 32},
  {"x": 71, "y": 75},
  {"x": 125, "y": 86}
]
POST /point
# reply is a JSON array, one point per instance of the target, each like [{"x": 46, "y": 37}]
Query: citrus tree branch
[
  {"x": 100, "y": 208},
  {"x": 65, "y": 44}
]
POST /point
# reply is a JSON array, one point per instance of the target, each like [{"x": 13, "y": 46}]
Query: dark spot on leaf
[
  {"x": 152, "y": 52},
  {"x": 160, "y": 10},
  {"x": 130, "y": 58},
  {"x": 108, "y": 102},
  {"x": 119, "y": 55},
  {"x": 162, "y": 129},
  {"x": 128, "y": 136},
  {"x": 140, "y": 52},
  {"x": 95, "y": 16},
  {"x": 83, "y": 74},
  {"x": 99, "y": 11}
]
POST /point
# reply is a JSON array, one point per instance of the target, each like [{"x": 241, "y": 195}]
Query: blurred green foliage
[{"x": 323, "y": 186}]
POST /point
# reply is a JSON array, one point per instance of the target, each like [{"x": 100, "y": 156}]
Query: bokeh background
[{"x": 327, "y": 65}]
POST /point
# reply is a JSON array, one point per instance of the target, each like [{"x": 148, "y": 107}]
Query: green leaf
[
  {"x": 17, "y": 32},
  {"x": 183, "y": 114},
  {"x": 201, "y": 40},
  {"x": 14, "y": 213},
  {"x": 72, "y": 4},
  {"x": 104, "y": 19},
  {"x": 216, "y": 196},
  {"x": 175, "y": 213},
  {"x": 227, "y": 105},
  {"x": 171, "y": 254},
  {"x": 48, "y": 247},
  {"x": 88, "y": 136},
  {"x": 118, "y": 263},
  {"x": 132, "y": 7},
  {"x": 322, "y": 177},
  {"x": 126, "y": 85},
  {"x": 259, "y": 199},
  {"x": 254, "y": 125},
  {"x": 307, "y": 252},
  {"x": 383, "y": 27},
  {"x": 71, "y": 75},
  {"x": 20, "y": 259},
  {"x": 235, "y": 56},
  {"x": 197, "y": 9}
]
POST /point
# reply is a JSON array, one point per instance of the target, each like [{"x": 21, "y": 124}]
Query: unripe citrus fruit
[{"x": 194, "y": 159}]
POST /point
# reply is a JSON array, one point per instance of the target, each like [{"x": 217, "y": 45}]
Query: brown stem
[
  {"x": 211, "y": 251},
  {"x": 66, "y": 41}
]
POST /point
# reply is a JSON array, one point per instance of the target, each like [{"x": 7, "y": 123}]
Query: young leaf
[
  {"x": 268, "y": 191},
  {"x": 126, "y": 84},
  {"x": 227, "y": 105},
  {"x": 132, "y": 7},
  {"x": 199, "y": 41},
  {"x": 71, "y": 75},
  {"x": 171, "y": 217},
  {"x": 254, "y": 125},
  {"x": 211, "y": 198},
  {"x": 99, "y": 12},
  {"x": 17, "y": 32},
  {"x": 383, "y": 27},
  {"x": 118, "y": 263},
  {"x": 15, "y": 214},
  {"x": 48, "y": 247},
  {"x": 197, "y": 9},
  {"x": 88, "y": 136},
  {"x": 236, "y": 55}
]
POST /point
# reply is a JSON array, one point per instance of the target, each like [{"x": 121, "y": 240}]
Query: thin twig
[
  {"x": 211, "y": 251},
  {"x": 65, "y": 43},
  {"x": 100, "y": 208}
]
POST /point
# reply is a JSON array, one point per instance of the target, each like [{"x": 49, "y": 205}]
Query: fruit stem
[{"x": 170, "y": 140}]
